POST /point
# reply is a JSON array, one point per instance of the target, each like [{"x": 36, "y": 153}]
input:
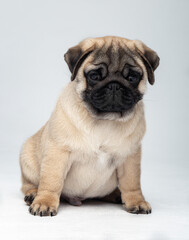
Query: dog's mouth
[{"x": 112, "y": 98}]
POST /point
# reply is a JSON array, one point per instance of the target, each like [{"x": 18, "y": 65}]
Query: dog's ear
[
  {"x": 74, "y": 57},
  {"x": 150, "y": 59}
]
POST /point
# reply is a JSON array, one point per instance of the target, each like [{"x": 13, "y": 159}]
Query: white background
[{"x": 34, "y": 35}]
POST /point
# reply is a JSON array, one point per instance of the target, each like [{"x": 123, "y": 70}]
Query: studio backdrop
[{"x": 34, "y": 36}]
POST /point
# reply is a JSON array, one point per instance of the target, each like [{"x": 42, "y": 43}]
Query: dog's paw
[
  {"x": 42, "y": 210},
  {"x": 30, "y": 196},
  {"x": 44, "y": 207},
  {"x": 142, "y": 207}
]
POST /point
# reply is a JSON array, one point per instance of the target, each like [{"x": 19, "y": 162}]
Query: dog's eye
[
  {"x": 133, "y": 77},
  {"x": 94, "y": 75}
]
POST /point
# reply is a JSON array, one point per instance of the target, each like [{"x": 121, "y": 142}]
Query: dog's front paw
[
  {"x": 44, "y": 206},
  {"x": 141, "y": 207}
]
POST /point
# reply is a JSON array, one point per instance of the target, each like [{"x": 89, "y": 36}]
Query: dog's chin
[
  {"x": 109, "y": 115},
  {"x": 111, "y": 108},
  {"x": 109, "y": 112}
]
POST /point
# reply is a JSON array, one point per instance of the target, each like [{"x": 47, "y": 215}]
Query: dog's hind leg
[
  {"x": 29, "y": 190},
  {"x": 29, "y": 171}
]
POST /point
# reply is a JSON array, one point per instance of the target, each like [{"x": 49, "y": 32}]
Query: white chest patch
[{"x": 103, "y": 160}]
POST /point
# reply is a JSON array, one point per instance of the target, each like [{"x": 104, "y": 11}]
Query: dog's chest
[
  {"x": 98, "y": 160},
  {"x": 104, "y": 160},
  {"x": 93, "y": 165},
  {"x": 103, "y": 148},
  {"x": 91, "y": 174}
]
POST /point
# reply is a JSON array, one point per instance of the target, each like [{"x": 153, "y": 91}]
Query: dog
[{"x": 91, "y": 145}]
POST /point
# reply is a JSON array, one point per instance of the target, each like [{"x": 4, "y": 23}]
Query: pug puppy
[{"x": 91, "y": 145}]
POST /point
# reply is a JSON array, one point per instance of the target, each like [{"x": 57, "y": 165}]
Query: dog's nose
[{"x": 114, "y": 86}]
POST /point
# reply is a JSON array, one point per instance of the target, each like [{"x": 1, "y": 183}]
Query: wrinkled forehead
[{"x": 115, "y": 55}]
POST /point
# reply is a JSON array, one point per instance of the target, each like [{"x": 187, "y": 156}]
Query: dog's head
[{"x": 110, "y": 74}]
